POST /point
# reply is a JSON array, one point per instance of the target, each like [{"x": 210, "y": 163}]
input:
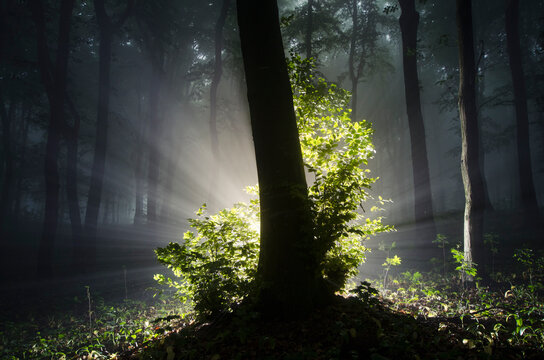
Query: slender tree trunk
[
  {"x": 55, "y": 80},
  {"x": 470, "y": 168},
  {"x": 217, "y": 72},
  {"x": 101, "y": 137},
  {"x": 287, "y": 269},
  {"x": 309, "y": 29},
  {"x": 154, "y": 154},
  {"x": 138, "y": 170},
  {"x": 71, "y": 184},
  {"x": 528, "y": 193},
  {"x": 8, "y": 166},
  {"x": 423, "y": 205},
  {"x": 72, "y": 134},
  {"x": 22, "y": 160},
  {"x": 353, "y": 74}
]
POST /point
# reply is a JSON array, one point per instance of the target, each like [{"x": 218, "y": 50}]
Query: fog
[{"x": 181, "y": 36}]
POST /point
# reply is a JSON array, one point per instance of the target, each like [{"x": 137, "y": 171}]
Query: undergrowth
[{"x": 88, "y": 328}]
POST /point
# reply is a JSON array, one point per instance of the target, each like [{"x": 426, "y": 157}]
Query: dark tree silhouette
[
  {"x": 423, "y": 205},
  {"x": 217, "y": 72},
  {"x": 527, "y": 186},
  {"x": 107, "y": 27},
  {"x": 309, "y": 29},
  {"x": 54, "y": 78},
  {"x": 470, "y": 169},
  {"x": 287, "y": 270}
]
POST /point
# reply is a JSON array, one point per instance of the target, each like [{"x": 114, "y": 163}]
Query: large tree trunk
[
  {"x": 470, "y": 168},
  {"x": 287, "y": 271},
  {"x": 423, "y": 205},
  {"x": 528, "y": 194},
  {"x": 54, "y": 80}
]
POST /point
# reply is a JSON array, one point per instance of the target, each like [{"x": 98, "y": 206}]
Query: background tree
[
  {"x": 528, "y": 194},
  {"x": 470, "y": 169},
  {"x": 54, "y": 79},
  {"x": 107, "y": 27},
  {"x": 423, "y": 205}
]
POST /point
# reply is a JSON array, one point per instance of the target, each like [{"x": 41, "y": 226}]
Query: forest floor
[
  {"x": 362, "y": 326},
  {"x": 416, "y": 316}
]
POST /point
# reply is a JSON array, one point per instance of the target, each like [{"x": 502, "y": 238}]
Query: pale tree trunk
[{"x": 470, "y": 168}]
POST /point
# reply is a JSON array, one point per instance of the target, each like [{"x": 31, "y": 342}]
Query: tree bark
[
  {"x": 528, "y": 193},
  {"x": 423, "y": 205},
  {"x": 287, "y": 270},
  {"x": 470, "y": 169},
  {"x": 55, "y": 85}
]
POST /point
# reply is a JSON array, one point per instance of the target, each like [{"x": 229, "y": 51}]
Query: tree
[
  {"x": 470, "y": 169},
  {"x": 365, "y": 54},
  {"x": 528, "y": 194},
  {"x": 107, "y": 27},
  {"x": 423, "y": 205},
  {"x": 54, "y": 78},
  {"x": 287, "y": 269}
]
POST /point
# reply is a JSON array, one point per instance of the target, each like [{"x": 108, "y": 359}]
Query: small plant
[
  {"x": 491, "y": 240},
  {"x": 366, "y": 293},
  {"x": 533, "y": 265},
  {"x": 388, "y": 264},
  {"x": 442, "y": 241},
  {"x": 466, "y": 269}
]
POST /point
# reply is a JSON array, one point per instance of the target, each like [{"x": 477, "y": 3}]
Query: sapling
[
  {"x": 492, "y": 240},
  {"x": 89, "y": 310},
  {"x": 442, "y": 241}
]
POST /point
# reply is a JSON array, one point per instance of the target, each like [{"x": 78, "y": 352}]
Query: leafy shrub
[{"x": 218, "y": 261}]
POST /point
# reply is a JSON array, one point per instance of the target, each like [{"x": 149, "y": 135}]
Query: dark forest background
[{"x": 120, "y": 118}]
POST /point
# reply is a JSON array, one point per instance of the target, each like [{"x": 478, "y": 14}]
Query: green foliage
[
  {"x": 218, "y": 260},
  {"x": 335, "y": 151},
  {"x": 115, "y": 328},
  {"x": 442, "y": 241},
  {"x": 465, "y": 268}
]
